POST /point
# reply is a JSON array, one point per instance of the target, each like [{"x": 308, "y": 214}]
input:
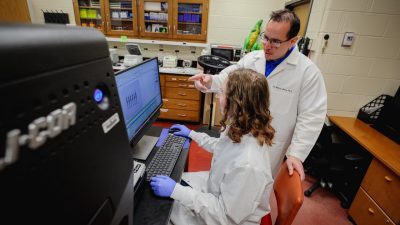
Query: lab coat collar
[
  {"x": 291, "y": 60},
  {"x": 259, "y": 62}
]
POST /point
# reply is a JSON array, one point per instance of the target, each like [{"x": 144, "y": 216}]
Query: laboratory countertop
[
  {"x": 174, "y": 70},
  {"x": 181, "y": 70}
]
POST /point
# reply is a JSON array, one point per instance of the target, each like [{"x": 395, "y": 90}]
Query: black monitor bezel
[{"x": 153, "y": 116}]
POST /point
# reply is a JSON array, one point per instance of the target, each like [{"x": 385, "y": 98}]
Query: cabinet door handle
[
  {"x": 181, "y": 104},
  {"x": 182, "y": 79},
  {"x": 163, "y": 110},
  {"x": 182, "y": 115},
  {"x": 182, "y": 94},
  {"x": 371, "y": 211},
  {"x": 388, "y": 179},
  {"x": 169, "y": 28},
  {"x": 182, "y": 85}
]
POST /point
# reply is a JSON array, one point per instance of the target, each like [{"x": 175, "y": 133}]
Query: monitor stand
[{"x": 143, "y": 148}]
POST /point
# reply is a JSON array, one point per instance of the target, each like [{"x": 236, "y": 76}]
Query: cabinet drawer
[
  {"x": 180, "y": 85},
  {"x": 177, "y": 78},
  {"x": 182, "y": 93},
  {"x": 384, "y": 187},
  {"x": 181, "y": 104},
  {"x": 364, "y": 211},
  {"x": 178, "y": 114}
]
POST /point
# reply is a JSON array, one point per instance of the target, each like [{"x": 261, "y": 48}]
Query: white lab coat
[
  {"x": 235, "y": 191},
  {"x": 298, "y": 102}
]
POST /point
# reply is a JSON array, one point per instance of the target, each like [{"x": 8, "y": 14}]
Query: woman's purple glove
[
  {"x": 162, "y": 186},
  {"x": 182, "y": 130}
]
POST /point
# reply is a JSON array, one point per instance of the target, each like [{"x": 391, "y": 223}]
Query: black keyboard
[{"x": 165, "y": 158}]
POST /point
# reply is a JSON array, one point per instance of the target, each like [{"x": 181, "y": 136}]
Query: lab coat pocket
[{"x": 280, "y": 99}]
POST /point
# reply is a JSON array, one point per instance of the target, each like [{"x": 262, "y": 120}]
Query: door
[
  {"x": 14, "y": 11},
  {"x": 155, "y": 18},
  {"x": 121, "y": 17},
  {"x": 90, "y": 13},
  {"x": 190, "y": 19}
]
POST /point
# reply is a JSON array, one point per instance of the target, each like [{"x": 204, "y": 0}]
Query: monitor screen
[{"x": 140, "y": 96}]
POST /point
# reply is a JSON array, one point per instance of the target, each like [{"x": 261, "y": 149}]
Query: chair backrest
[{"x": 289, "y": 197}]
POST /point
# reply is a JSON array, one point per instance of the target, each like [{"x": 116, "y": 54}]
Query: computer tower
[{"x": 65, "y": 156}]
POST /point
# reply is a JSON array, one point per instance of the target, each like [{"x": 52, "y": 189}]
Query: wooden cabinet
[
  {"x": 121, "y": 17},
  {"x": 378, "y": 197},
  {"x": 176, "y": 19},
  {"x": 112, "y": 17},
  {"x": 190, "y": 19},
  {"x": 376, "y": 201},
  {"x": 182, "y": 20},
  {"x": 365, "y": 211},
  {"x": 155, "y": 18},
  {"x": 181, "y": 100}
]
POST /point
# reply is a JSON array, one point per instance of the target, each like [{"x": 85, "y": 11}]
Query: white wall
[
  {"x": 230, "y": 21},
  {"x": 371, "y": 66}
]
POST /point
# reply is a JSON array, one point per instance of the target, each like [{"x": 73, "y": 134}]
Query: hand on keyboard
[
  {"x": 162, "y": 186},
  {"x": 183, "y": 130}
]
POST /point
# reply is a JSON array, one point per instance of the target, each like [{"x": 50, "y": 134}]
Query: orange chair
[{"x": 289, "y": 197}]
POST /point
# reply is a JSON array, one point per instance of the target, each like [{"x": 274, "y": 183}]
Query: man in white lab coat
[{"x": 297, "y": 90}]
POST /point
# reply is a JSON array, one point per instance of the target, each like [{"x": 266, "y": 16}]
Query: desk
[
  {"x": 378, "y": 197},
  {"x": 150, "y": 208}
]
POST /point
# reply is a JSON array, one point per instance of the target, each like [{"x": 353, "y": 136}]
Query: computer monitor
[
  {"x": 64, "y": 158},
  {"x": 139, "y": 92}
]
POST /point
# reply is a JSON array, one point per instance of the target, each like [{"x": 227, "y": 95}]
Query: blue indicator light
[{"x": 98, "y": 95}]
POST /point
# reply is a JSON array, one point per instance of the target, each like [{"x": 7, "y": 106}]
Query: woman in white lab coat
[
  {"x": 238, "y": 186},
  {"x": 297, "y": 90}
]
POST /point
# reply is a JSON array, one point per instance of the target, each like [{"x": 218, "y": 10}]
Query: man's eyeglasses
[{"x": 273, "y": 42}]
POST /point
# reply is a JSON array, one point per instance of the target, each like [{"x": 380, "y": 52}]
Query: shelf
[
  {"x": 89, "y": 7},
  {"x": 159, "y": 11},
  {"x": 121, "y": 8},
  {"x": 187, "y": 34},
  {"x": 146, "y": 41},
  {"x": 115, "y": 19},
  {"x": 155, "y": 21},
  {"x": 90, "y": 18},
  {"x": 190, "y": 12},
  {"x": 189, "y": 23}
]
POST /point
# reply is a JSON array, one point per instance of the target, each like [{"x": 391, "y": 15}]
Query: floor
[{"x": 321, "y": 208}]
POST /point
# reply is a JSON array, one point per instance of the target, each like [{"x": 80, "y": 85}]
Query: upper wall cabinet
[
  {"x": 181, "y": 20},
  {"x": 190, "y": 19},
  {"x": 112, "y": 17},
  {"x": 155, "y": 18}
]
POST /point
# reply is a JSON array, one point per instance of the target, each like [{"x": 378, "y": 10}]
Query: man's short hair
[{"x": 289, "y": 16}]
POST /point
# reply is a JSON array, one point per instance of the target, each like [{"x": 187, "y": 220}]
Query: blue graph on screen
[
  {"x": 132, "y": 103},
  {"x": 131, "y": 100}
]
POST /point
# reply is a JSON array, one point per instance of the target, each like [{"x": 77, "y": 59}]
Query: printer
[
  {"x": 170, "y": 61},
  {"x": 135, "y": 55}
]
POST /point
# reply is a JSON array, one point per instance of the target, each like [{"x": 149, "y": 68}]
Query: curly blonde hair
[{"x": 247, "y": 107}]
